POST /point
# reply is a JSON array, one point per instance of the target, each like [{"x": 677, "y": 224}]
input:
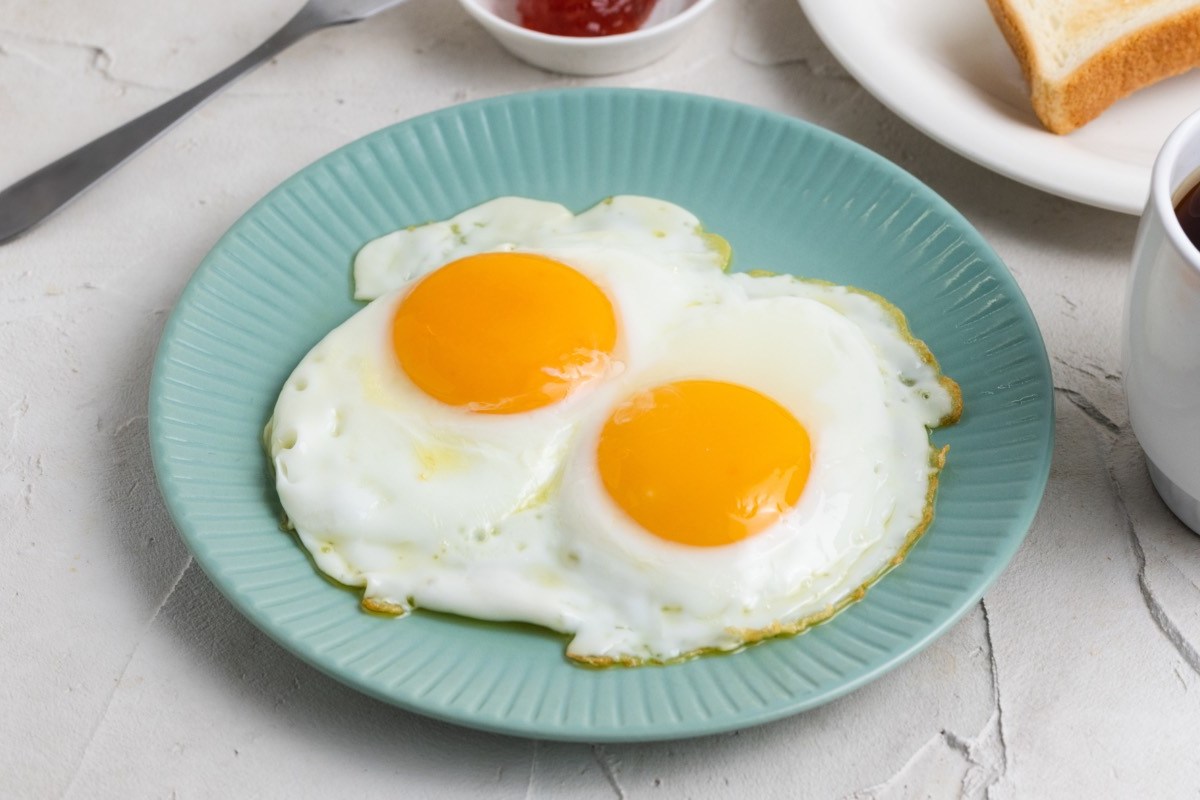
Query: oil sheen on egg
[{"x": 583, "y": 422}]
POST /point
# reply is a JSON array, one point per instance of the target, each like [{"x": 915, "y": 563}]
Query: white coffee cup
[{"x": 1161, "y": 330}]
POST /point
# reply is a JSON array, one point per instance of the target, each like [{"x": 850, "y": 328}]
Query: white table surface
[{"x": 123, "y": 672}]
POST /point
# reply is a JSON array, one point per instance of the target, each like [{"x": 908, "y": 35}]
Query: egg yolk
[
  {"x": 703, "y": 463},
  {"x": 502, "y": 333}
]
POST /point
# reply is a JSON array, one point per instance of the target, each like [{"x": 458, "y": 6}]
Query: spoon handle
[{"x": 36, "y": 196}]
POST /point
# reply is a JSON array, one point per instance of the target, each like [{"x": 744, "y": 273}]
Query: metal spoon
[{"x": 37, "y": 196}]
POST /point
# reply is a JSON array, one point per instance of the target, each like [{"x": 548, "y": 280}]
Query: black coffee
[{"x": 1188, "y": 214}]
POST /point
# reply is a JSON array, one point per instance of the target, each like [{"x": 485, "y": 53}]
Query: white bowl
[{"x": 589, "y": 55}]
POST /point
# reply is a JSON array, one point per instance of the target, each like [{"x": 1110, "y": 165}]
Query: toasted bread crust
[
  {"x": 1018, "y": 38},
  {"x": 1168, "y": 47}
]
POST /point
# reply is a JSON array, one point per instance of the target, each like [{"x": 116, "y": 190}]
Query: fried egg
[{"x": 585, "y": 423}]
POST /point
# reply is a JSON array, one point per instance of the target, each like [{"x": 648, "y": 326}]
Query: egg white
[{"x": 654, "y": 229}]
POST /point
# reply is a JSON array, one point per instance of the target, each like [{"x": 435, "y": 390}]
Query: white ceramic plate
[{"x": 944, "y": 67}]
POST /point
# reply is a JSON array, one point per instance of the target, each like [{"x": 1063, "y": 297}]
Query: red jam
[{"x": 584, "y": 17}]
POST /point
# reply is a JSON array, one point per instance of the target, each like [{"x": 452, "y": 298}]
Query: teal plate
[{"x": 790, "y": 197}]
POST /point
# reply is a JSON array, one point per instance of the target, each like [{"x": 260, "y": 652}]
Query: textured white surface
[{"x": 125, "y": 674}]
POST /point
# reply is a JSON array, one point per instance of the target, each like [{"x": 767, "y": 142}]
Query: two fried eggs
[{"x": 584, "y": 422}]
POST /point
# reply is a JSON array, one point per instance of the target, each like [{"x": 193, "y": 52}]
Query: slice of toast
[{"x": 1081, "y": 56}]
